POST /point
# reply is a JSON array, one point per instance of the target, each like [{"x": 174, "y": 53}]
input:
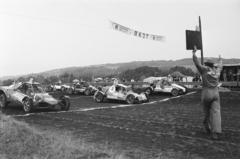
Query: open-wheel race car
[
  {"x": 31, "y": 95},
  {"x": 58, "y": 86},
  {"x": 165, "y": 86},
  {"x": 82, "y": 87},
  {"x": 120, "y": 92}
]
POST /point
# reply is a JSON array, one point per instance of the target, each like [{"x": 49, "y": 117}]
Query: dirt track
[{"x": 168, "y": 128}]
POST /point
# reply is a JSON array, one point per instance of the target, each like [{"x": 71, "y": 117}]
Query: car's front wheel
[
  {"x": 28, "y": 105},
  {"x": 3, "y": 101},
  {"x": 99, "y": 97},
  {"x": 175, "y": 92},
  {"x": 62, "y": 89},
  {"x": 64, "y": 103},
  {"x": 130, "y": 99}
]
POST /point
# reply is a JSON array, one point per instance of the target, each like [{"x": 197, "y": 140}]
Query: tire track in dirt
[
  {"x": 150, "y": 120},
  {"x": 76, "y": 120}
]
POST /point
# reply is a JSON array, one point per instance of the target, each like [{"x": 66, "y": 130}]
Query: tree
[
  {"x": 21, "y": 79},
  {"x": 7, "y": 82}
]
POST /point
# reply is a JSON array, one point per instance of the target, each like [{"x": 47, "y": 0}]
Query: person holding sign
[{"x": 210, "y": 95}]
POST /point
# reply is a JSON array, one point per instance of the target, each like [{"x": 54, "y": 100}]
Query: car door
[
  {"x": 111, "y": 93},
  {"x": 167, "y": 87},
  {"x": 120, "y": 93},
  {"x": 159, "y": 87}
]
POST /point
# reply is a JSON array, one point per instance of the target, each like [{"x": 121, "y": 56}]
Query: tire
[
  {"x": 70, "y": 91},
  {"x": 62, "y": 89},
  {"x": 65, "y": 104},
  {"x": 130, "y": 99},
  {"x": 148, "y": 91},
  {"x": 3, "y": 101},
  {"x": 175, "y": 92},
  {"x": 28, "y": 105},
  {"x": 87, "y": 92},
  {"x": 99, "y": 97}
]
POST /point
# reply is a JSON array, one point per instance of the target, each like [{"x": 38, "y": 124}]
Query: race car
[
  {"x": 120, "y": 92},
  {"x": 58, "y": 86},
  {"x": 82, "y": 87},
  {"x": 31, "y": 95},
  {"x": 163, "y": 85}
]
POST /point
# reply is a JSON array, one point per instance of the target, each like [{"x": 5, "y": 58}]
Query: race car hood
[
  {"x": 45, "y": 97},
  {"x": 178, "y": 86}
]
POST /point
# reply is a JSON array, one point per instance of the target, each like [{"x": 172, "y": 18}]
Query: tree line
[{"x": 89, "y": 73}]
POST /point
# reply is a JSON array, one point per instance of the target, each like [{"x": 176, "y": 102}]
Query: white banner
[{"x": 136, "y": 33}]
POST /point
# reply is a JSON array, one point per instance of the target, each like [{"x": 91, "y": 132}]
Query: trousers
[{"x": 211, "y": 109}]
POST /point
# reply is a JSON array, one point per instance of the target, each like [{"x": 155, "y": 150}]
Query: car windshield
[{"x": 37, "y": 88}]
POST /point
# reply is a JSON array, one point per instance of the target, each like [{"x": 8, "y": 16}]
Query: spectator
[
  {"x": 238, "y": 73},
  {"x": 230, "y": 74},
  {"x": 224, "y": 75}
]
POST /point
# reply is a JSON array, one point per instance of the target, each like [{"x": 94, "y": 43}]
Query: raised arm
[{"x": 200, "y": 67}]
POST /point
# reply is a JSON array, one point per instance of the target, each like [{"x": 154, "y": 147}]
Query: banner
[{"x": 136, "y": 33}]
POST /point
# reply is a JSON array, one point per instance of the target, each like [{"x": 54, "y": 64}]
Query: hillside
[{"x": 111, "y": 68}]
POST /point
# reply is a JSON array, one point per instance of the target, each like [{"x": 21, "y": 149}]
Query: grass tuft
[{"x": 20, "y": 141}]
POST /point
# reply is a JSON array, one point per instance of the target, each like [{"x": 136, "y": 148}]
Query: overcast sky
[{"x": 41, "y": 35}]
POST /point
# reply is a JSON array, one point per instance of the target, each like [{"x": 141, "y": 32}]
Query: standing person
[
  {"x": 238, "y": 74},
  {"x": 210, "y": 95},
  {"x": 224, "y": 75}
]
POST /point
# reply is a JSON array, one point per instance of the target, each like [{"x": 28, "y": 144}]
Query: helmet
[{"x": 209, "y": 60}]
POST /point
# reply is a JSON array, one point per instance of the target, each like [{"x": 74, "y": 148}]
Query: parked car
[
  {"x": 120, "y": 92},
  {"x": 163, "y": 85},
  {"x": 31, "y": 95},
  {"x": 82, "y": 87}
]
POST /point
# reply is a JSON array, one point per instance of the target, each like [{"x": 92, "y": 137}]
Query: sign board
[{"x": 193, "y": 38}]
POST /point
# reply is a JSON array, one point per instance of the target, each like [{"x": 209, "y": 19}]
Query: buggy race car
[
  {"x": 82, "y": 87},
  {"x": 58, "y": 86},
  {"x": 163, "y": 85},
  {"x": 120, "y": 92},
  {"x": 31, "y": 95}
]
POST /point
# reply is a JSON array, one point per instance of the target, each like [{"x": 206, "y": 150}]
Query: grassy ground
[{"x": 20, "y": 141}]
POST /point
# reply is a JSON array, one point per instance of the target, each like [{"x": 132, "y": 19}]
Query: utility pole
[{"x": 200, "y": 27}]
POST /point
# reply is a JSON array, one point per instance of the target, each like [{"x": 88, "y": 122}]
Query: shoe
[
  {"x": 215, "y": 136},
  {"x": 207, "y": 130}
]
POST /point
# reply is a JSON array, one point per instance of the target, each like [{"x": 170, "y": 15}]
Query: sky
[{"x": 42, "y": 35}]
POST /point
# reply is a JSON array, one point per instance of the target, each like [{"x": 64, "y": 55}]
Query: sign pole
[{"x": 200, "y": 27}]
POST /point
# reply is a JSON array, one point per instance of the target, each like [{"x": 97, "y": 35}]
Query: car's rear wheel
[
  {"x": 64, "y": 104},
  {"x": 87, "y": 92},
  {"x": 62, "y": 89},
  {"x": 28, "y": 105},
  {"x": 3, "y": 101},
  {"x": 99, "y": 97},
  {"x": 175, "y": 92},
  {"x": 130, "y": 99},
  {"x": 148, "y": 90}
]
